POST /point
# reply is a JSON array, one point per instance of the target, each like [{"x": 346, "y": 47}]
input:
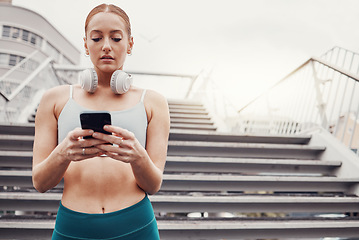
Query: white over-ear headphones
[{"x": 120, "y": 81}]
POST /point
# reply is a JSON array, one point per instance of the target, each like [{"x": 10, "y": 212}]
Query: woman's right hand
[{"x": 77, "y": 148}]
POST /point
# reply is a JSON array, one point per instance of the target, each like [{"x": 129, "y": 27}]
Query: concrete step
[
  {"x": 191, "y": 121},
  {"x": 189, "y": 116},
  {"x": 49, "y": 202},
  {"x": 177, "y": 164},
  {"x": 261, "y": 229},
  {"x": 197, "y": 127},
  {"x": 17, "y": 129},
  {"x": 15, "y": 159},
  {"x": 191, "y": 135},
  {"x": 16, "y": 142},
  {"x": 200, "y": 148},
  {"x": 219, "y": 182},
  {"x": 186, "y": 107},
  {"x": 216, "y": 182},
  {"x": 243, "y": 150},
  {"x": 180, "y": 102},
  {"x": 188, "y": 111},
  {"x": 206, "y": 229},
  {"x": 28, "y": 129}
]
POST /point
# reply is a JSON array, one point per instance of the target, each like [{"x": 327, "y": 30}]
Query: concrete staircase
[{"x": 216, "y": 185}]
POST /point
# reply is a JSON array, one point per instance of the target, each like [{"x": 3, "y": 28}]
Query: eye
[
  {"x": 116, "y": 39},
  {"x": 96, "y": 39}
]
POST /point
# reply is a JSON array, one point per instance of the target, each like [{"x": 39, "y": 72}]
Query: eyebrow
[{"x": 112, "y": 31}]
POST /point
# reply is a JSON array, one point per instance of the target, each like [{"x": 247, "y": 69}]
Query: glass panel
[
  {"x": 25, "y": 35},
  {"x": 33, "y": 38},
  {"x": 6, "y": 31},
  {"x": 12, "y": 60}
]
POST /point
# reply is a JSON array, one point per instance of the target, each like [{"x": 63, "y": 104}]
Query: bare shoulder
[
  {"x": 54, "y": 99},
  {"x": 155, "y": 98},
  {"x": 156, "y": 104},
  {"x": 55, "y": 92}
]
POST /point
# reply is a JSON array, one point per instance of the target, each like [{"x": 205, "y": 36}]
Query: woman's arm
[
  {"x": 147, "y": 164},
  {"x": 50, "y": 161},
  {"x": 156, "y": 143}
]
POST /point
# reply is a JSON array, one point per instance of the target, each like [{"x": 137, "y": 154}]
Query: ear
[
  {"x": 85, "y": 45},
  {"x": 130, "y": 45}
]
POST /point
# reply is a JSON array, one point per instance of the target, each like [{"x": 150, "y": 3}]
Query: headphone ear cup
[
  {"x": 88, "y": 80},
  {"x": 120, "y": 82}
]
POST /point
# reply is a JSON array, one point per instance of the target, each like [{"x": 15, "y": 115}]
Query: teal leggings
[{"x": 136, "y": 222}]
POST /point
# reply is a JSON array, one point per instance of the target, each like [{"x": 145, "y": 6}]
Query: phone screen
[{"x": 95, "y": 121}]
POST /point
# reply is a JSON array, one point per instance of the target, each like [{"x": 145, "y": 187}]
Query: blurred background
[{"x": 246, "y": 46}]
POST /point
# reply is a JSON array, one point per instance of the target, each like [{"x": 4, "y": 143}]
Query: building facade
[{"x": 29, "y": 46}]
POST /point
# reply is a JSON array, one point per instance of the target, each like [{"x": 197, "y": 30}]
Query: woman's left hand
[{"x": 124, "y": 145}]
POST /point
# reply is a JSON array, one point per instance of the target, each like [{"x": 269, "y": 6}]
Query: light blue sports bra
[{"x": 133, "y": 119}]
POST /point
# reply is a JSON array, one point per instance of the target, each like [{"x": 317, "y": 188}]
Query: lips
[{"x": 107, "y": 57}]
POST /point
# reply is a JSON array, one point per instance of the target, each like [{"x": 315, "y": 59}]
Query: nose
[{"x": 106, "y": 45}]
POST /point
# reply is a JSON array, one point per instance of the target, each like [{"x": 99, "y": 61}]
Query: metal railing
[
  {"x": 21, "y": 89},
  {"x": 169, "y": 84},
  {"x": 322, "y": 92}
]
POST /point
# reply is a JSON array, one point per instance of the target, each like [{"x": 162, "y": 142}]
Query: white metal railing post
[
  {"x": 327, "y": 90},
  {"x": 356, "y": 117},
  {"x": 342, "y": 102},
  {"x": 319, "y": 97},
  {"x": 346, "y": 118}
]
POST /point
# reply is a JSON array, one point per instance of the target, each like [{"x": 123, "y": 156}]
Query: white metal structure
[
  {"x": 322, "y": 92},
  {"x": 29, "y": 44}
]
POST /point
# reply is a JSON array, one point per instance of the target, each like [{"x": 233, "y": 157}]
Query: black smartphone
[{"x": 95, "y": 120}]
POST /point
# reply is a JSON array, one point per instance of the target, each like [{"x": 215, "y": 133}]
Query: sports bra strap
[
  {"x": 71, "y": 90},
  {"x": 143, "y": 95}
]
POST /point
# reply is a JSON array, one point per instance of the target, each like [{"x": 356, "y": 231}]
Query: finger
[
  {"x": 119, "y": 157},
  {"x": 78, "y": 133},
  {"x": 110, "y": 148},
  {"x": 85, "y": 153},
  {"x": 119, "y": 131},
  {"x": 90, "y": 142},
  {"x": 107, "y": 138}
]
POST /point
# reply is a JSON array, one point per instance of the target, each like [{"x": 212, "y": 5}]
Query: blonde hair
[{"x": 111, "y": 9}]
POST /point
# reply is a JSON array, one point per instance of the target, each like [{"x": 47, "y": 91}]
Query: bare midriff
[{"x": 100, "y": 185}]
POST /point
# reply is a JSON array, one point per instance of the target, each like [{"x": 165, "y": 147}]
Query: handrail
[
  {"x": 18, "y": 65},
  {"x": 276, "y": 84},
  {"x": 80, "y": 68},
  {"x": 7, "y": 99},
  {"x": 320, "y": 92},
  {"x": 339, "y": 48},
  {"x": 193, "y": 78},
  {"x": 315, "y": 59},
  {"x": 29, "y": 78},
  {"x": 337, "y": 69}
]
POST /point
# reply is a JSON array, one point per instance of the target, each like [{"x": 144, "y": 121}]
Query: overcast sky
[{"x": 249, "y": 44}]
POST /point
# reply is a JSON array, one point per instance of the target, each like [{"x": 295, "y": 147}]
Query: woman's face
[{"x": 107, "y": 42}]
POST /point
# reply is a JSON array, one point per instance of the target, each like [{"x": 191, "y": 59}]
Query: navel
[{"x": 103, "y": 210}]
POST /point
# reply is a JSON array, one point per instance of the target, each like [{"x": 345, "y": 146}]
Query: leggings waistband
[{"x": 114, "y": 225}]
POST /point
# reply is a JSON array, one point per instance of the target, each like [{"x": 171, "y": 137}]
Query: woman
[{"x": 105, "y": 185}]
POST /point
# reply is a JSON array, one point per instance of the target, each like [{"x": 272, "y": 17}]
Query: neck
[{"x": 104, "y": 78}]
